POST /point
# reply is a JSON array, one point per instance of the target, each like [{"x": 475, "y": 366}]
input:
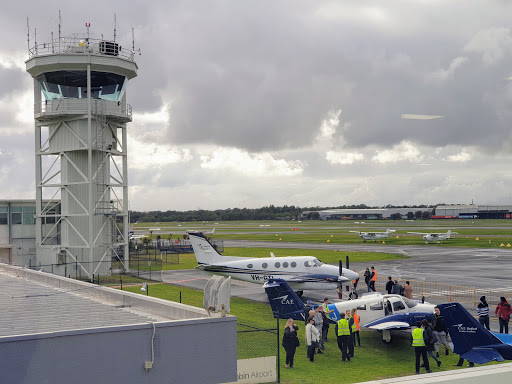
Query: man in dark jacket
[
  {"x": 440, "y": 331},
  {"x": 389, "y": 284}
]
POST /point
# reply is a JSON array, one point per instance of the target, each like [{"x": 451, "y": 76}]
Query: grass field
[
  {"x": 471, "y": 233},
  {"x": 374, "y": 360}
]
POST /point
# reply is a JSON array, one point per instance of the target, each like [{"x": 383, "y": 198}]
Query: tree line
[{"x": 270, "y": 212}]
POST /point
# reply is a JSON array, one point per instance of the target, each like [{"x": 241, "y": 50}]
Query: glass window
[
  {"x": 264, "y": 265},
  {"x": 410, "y": 303},
  {"x": 362, "y": 307},
  {"x": 16, "y": 209},
  {"x": 306, "y": 264},
  {"x": 293, "y": 264},
  {"x": 249, "y": 265},
  {"x": 285, "y": 265},
  {"x": 3, "y": 209},
  {"x": 278, "y": 264},
  {"x": 376, "y": 306},
  {"x": 398, "y": 306},
  {"x": 15, "y": 218},
  {"x": 28, "y": 218},
  {"x": 3, "y": 218},
  {"x": 73, "y": 84}
]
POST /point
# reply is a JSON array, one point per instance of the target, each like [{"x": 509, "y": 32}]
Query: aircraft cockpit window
[
  {"x": 410, "y": 303},
  {"x": 285, "y": 265},
  {"x": 398, "y": 306},
  {"x": 249, "y": 265},
  {"x": 293, "y": 264},
  {"x": 317, "y": 263},
  {"x": 376, "y": 306},
  {"x": 264, "y": 265},
  {"x": 361, "y": 307},
  {"x": 278, "y": 264}
]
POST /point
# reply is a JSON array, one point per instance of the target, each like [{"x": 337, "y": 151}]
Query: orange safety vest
[
  {"x": 374, "y": 278},
  {"x": 356, "y": 322}
]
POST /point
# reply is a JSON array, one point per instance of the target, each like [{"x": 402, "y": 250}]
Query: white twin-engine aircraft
[
  {"x": 437, "y": 237},
  {"x": 300, "y": 272},
  {"x": 373, "y": 235}
]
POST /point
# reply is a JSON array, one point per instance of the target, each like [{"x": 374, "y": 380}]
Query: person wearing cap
[
  {"x": 483, "y": 313},
  {"x": 326, "y": 312},
  {"x": 440, "y": 331}
]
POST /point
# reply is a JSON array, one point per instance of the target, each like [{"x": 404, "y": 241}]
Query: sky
[{"x": 243, "y": 104}]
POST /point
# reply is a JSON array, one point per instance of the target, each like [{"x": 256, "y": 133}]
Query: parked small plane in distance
[
  {"x": 384, "y": 313},
  {"x": 208, "y": 233},
  {"x": 373, "y": 235},
  {"x": 437, "y": 237},
  {"x": 471, "y": 340},
  {"x": 301, "y": 272}
]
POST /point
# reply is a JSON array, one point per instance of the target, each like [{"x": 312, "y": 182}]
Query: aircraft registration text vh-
[{"x": 301, "y": 272}]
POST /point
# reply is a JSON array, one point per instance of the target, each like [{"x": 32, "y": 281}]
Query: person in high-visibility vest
[
  {"x": 373, "y": 279},
  {"x": 343, "y": 336},
  {"x": 327, "y": 311},
  {"x": 355, "y": 328},
  {"x": 419, "y": 348}
]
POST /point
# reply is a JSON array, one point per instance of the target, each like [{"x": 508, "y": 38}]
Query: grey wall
[{"x": 186, "y": 351}]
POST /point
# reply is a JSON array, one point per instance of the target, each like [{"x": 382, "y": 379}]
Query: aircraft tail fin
[
  {"x": 470, "y": 339},
  {"x": 204, "y": 251},
  {"x": 449, "y": 233},
  {"x": 284, "y": 301}
]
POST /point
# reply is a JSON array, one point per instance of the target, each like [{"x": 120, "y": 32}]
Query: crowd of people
[{"x": 427, "y": 338}]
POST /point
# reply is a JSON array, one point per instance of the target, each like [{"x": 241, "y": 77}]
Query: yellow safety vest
[
  {"x": 417, "y": 338},
  {"x": 356, "y": 322},
  {"x": 343, "y": 328}
]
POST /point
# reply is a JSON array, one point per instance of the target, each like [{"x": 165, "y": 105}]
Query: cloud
[
  {"x": 404, "y": 151},
  {"x": 151, "y": 156},
  {"x": 256, "y": 165},
  {"x": 343, "y": 158},
  {"x": 492, "y": 44},
  {"x": 442, "y": 75},
  {"x": 461, "y": 157}
]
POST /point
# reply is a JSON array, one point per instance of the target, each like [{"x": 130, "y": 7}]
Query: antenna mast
[
  {"x": 60, "y": 21},
  {"x": 115, "y": 24},
  {"x": 28, "y": 36},
  {"x": 133, "y": 39}
]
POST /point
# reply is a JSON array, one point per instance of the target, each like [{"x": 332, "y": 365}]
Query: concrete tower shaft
[{"x": 80, "y": 114}]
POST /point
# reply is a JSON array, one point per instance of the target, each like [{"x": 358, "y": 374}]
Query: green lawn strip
[
  {"x": 374, "y": 360},
  {"x": 457, "y": 241}
]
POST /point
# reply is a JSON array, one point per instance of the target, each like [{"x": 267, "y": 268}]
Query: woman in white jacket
[{"x": 312, "y": 339}]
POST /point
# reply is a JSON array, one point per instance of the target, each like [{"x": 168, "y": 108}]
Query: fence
[
  {"x": 257, "y": 342},
  {"x": 447, "y": 292}
]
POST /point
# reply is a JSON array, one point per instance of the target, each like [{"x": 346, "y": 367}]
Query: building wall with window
[{"x": 18, "y": 232}]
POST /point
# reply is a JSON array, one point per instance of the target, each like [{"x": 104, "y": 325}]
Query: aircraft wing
[
  {"x": 312, "y": 278},
  {"x": 389, "y": 325},
  {"x": 482, "y": 355}
]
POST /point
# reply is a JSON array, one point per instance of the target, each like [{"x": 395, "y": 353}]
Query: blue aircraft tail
[
  {"x": 284, "y": 301},
  {"x": 470, "y": 339}
]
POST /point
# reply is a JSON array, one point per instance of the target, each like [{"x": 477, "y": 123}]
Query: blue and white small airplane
[
  {"x": 384, "y": 313},
  {"x": 301, "y": 272},
  {"x": 471, "y": 340}
]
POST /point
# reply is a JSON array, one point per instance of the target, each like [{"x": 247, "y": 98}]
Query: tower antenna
[
  {"x": 115, "y": 24},
  {"x": 133, "y": 39},
  {"x": 28, "y": 36},
  {"x": 60, "y": 22}
]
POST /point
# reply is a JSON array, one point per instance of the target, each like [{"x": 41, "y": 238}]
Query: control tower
[{"x": 80, "y": 114}]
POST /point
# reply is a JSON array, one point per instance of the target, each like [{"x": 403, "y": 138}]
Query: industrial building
[
  {"x": 473, "y": 211},
  {"x": 59, "y": 330},
  {"x": 362, "y": 214}
]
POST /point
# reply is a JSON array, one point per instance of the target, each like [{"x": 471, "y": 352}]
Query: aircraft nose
[{"x": 352, "y": 275}]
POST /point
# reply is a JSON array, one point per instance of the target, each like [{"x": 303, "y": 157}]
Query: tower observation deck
[{"x": 80, "y": 116}]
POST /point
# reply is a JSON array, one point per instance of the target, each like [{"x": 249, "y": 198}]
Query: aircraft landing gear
[{"x": 386, "y": 336}]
